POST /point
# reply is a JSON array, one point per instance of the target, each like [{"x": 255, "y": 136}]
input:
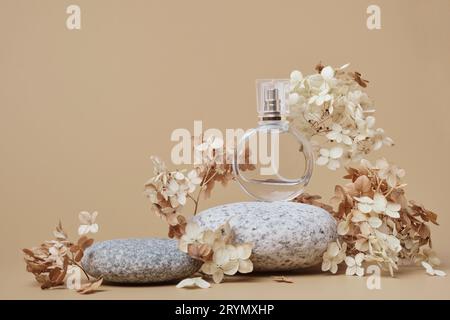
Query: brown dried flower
[
  {"x": 357, "y": 77},
  {"x": 49, "y": 262},
  {"x": 314, "y": 201},
  {"x": 178, "y": 229},
  {"x": 90, "y": 287},
  {"x": 426, "y": 215},
  {"x": 319, "y": 67},
  {"x": 169, "y": 191},
  {"x": 375, "y": 220}
]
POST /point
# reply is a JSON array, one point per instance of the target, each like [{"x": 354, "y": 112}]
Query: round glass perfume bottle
[{"x": 281, "y": 156}]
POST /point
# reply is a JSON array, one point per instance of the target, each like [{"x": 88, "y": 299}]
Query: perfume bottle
[{"x": 281, "y": 156}]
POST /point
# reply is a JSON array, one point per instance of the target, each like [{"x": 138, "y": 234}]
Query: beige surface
[
  {"x": 82, "y": 111},
  {"x": 411, "y": 283}
]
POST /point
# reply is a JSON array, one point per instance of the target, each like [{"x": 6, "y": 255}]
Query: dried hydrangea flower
[
  {"x": 51, "y": 261},
  {"x": 330, "y": 158},
  {"x": 227, "y": 260},
  {"x": 389, "y": 208},
  {"x": 193, "y": 282},
  {"x": 376, "y": 219},
  {"x": 331, "y": 108},
  {"x": 391, "y": 173},
  {"x": 334, "y": 255},
  {"x": 217, "y": 250},
  {"x": 193, "y": 234},
  {"x": 431, "y": 271},
  {"x": 87, "y": 221},
  {"x": 354, "y": 265},
  {"x": 339, "y": 134}
]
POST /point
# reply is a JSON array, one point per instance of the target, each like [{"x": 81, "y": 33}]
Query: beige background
[{"x": 82, "y": 111}]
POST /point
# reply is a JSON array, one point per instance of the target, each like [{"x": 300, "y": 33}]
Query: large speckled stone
[
  {"x": 148, "y": 260},
  {"x": 286, "y": 235}
]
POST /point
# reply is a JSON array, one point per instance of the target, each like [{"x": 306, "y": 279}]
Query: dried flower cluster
[
  {"x": 331, "y": 109},
  {"x": 217, "y": 250},
  {"x": 54, "y": 260},
  {"x": 169, "y": 191},
  {"x": 377, "y": 224}
]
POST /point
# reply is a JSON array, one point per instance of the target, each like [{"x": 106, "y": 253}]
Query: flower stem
[
  {"x": 210, "y": 178},
  {"x": 197, "y": 200},
  {"x": 390, "y": 191},
  {"x": 79, "y": 266}
]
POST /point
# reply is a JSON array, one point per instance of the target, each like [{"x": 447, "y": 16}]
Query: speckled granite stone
[
  {"x": 139, "y": 261},
  {"x": 286, "y": 235}
]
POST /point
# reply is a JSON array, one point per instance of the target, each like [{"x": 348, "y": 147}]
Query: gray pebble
[{"x": 149, "y": 260}]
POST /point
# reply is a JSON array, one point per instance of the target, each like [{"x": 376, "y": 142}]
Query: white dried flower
[
  {"x": 365, "y": 204},
  {"x": 227, "y": 260},
  {"x": 330, "y": 158},
  {"x": 57, "y": 253},
  {"x": 391, "y": 173},
  {"x": 380, "y": 139},
  {"x": 170, "y": 190},
  {"x": 339, "y": 134},
  {"x": 344, "y": 226},
  {"x": 381, "y": 205},
  {"x": 87, "y": 221},
  {"x": 296, "y": 77},
  {"x": 354, "y": 265},
  {"x": 193, "y": 282},
  {"x": 192, "y": 180},
  {"x": 371, "y": 220},
  {"x": 431, "y": 271},
  {"x": 334, "y": 255},
  {"x": 221, "y": 264},
  {"x": 209, "y": 151},
  {"x": 365, "y": 128},
  {"x": 332, "y": 104},
  {"x": 431, "y": 257},
  {"x": 193, "y": 234}
]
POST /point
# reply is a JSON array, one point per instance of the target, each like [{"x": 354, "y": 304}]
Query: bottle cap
[{"x": 272, "y": 97}]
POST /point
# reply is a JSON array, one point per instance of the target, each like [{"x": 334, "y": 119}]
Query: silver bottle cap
[{"x": 272, "y": 97}]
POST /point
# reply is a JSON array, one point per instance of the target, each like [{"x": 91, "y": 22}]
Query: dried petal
[
  {"x": 282, "y": 279},
  {"x": 90, "y": 287},
  {"x": 192, "y": 282}
]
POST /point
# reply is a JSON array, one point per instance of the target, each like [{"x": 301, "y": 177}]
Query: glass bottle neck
[{"x": 281, "y": 122}]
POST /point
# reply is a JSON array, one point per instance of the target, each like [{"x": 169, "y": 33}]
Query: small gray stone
[
  {"x": 148, "y": 260},
  {"x": 286, "y": 235}
]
